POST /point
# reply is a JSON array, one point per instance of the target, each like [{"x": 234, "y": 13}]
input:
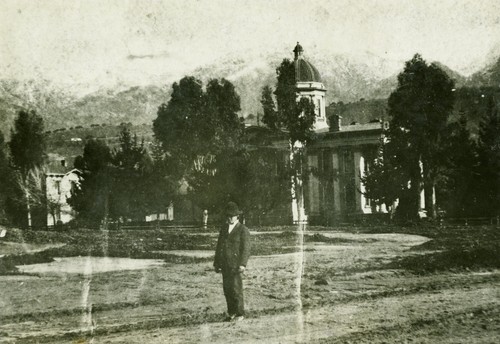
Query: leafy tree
[
  {"x": 296, "y": 115},
  {"x": 161, "y": 182},
  {"x": 212, "y": 179},
  {"x": 130, "y": 165},
  {"x": 130, "y": 152},
  {"x": 27, "y": 151},
  {"x": 457, "y": 186},
  {"x": 383, "y": 181},
  {"x": 32, "y": 187},
  {"x": 419, "y": 110},
  {"x": 220, "y": 126},
  {"x": 176, "y": 126},
  {"x": 265, "y": 186},
  {"x": 91, "y": 198},
  {"x": 270, "y": 117},
  {"x": 128, "y": 183},
  {"x": 474, "y": 102},
  {"x": 247, "y": 176},
  {"x": 196, "y": 129},
  {"x": 488, "y": 151}
]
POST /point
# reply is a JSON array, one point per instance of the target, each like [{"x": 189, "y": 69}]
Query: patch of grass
[
  {"x": 35, "y": 237},
  {"x": 454, "y": 259},
  {"x": 7, "y": 267},
  {"x": 316, "y": 237},
  {"x": 274, "y": 244},
  {"x": 288, "y": 235},
  {"x": 8, "y": 263},
  {"x": 133, "y": 244},
  {"x": 290, "y": 229},
  {"x": 458, "y": 248}
]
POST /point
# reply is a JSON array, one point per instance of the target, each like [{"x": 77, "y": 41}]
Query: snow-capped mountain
[{"x": 348, "y": 78}]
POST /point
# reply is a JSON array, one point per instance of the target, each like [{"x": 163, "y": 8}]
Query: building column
[
  {"x": 422, "y": 203},
  {"x": 313, "y": 191},
  {"x": 364, "y": 201},
  {"x": 359, "y": 165},
  {"x": 336, "y": 185}
]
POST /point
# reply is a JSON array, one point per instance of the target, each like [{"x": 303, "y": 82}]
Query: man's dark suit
[{"x": 233, "y": 251}]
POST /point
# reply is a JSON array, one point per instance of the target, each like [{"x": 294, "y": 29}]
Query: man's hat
[{"x": 232, "y": 209}]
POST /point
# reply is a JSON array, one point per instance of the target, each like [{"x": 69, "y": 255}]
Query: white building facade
[{"x": 58, "y": 188}]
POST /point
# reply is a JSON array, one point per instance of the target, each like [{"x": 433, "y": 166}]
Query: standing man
[{"x": 231, "y": 256}]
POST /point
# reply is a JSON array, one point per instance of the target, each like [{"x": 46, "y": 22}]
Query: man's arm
[
  {"x": 218, "y": 254},
  {"x": 245, "y": 247}
]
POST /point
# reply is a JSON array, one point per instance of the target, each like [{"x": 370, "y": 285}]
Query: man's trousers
[{"x": 233, "y": 291}]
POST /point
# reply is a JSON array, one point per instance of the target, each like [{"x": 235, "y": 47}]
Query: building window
[{"x": 58, "y": 186}]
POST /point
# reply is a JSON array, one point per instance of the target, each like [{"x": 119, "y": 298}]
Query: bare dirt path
[
  {"x": 360, "y": 321},
  {"x": 346, "y": 291}
]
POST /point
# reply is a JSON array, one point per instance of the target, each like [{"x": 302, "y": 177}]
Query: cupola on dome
[{"x": 304, "y": 70}]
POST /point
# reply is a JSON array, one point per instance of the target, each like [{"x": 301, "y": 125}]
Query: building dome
[{"x": 304, "y": 70}]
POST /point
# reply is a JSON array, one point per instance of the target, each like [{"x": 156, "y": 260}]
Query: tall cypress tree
[
  {"x": 27, "y": 150},
  {"x": 27, "y": 144},
  {"x": 297, "y": 117},
  {"x": 270, "y": 117}
]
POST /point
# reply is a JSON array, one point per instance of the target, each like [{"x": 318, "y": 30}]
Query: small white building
[
  {"x": 168, "y": 216},
  {"x": 58, "y": 186}
]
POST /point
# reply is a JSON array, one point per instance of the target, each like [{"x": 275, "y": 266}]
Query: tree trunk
[
  {"x": 106, "y": 211},
  {"x": 28, "y": 208},
  {"x": 429, "y": 192},
  {"x": 409, "y": 202},
  {"x": 296, "y": 163},
  {"x": 430, "y": 200}
]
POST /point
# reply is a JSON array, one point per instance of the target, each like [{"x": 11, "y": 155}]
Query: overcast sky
[{"x": 140, "y": 42}]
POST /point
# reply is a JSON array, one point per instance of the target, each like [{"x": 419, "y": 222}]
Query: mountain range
[{"x": 348, "y": 78}]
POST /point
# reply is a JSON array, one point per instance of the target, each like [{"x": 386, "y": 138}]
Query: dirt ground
[{"x": 328, "y": 293}]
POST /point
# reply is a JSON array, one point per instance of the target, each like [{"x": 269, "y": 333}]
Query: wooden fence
[
  {"x": 363, "y": 220},
  {"x": 470, "y": 221}
]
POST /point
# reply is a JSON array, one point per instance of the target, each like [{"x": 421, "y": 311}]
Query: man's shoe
[
  {"x": 238, "y": 318},
  {"x": 230, "y": 317}
]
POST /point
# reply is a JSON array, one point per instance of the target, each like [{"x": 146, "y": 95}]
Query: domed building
[
  {"x": 309, "y": 85},
  {"x": 341, "y": 154}
]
